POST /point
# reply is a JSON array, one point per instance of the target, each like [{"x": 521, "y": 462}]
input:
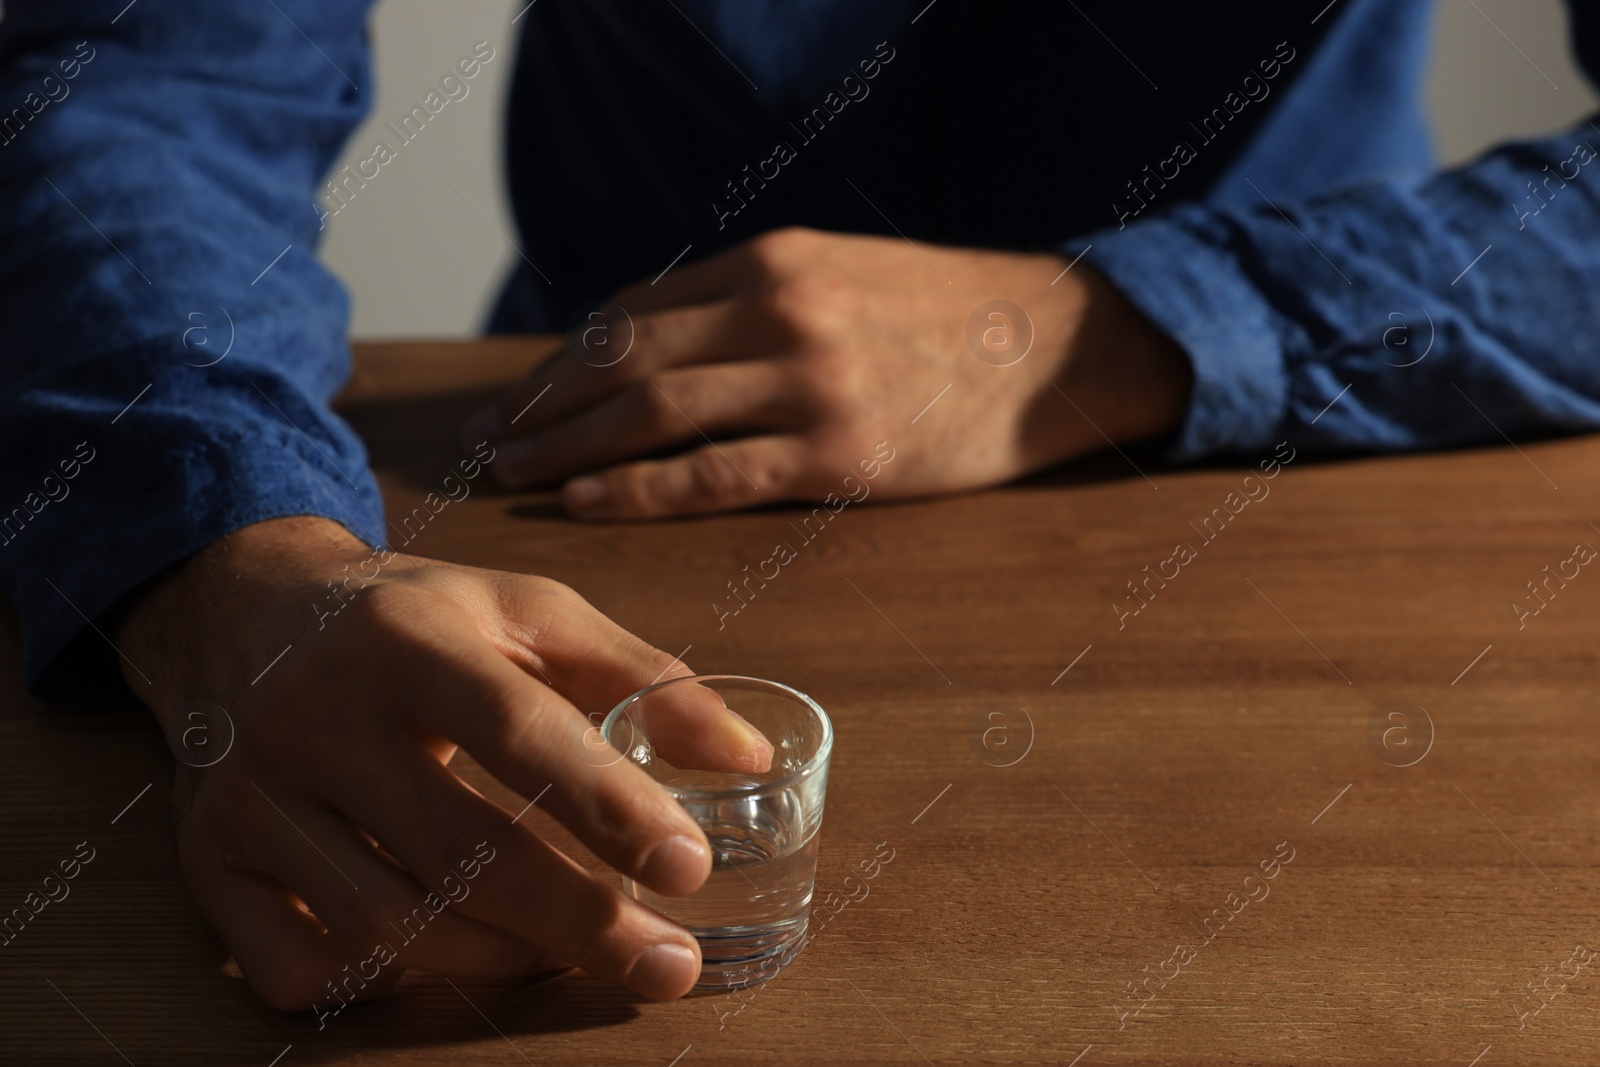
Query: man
[{"x": 1205, "y": 229}]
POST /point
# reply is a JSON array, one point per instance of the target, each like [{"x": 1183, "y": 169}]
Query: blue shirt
[{"x": 1255, "y": 177}]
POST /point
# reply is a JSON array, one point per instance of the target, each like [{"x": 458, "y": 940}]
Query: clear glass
[{"x": 750, "y": 916}]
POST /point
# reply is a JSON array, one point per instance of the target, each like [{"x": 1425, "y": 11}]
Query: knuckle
[
  {"x": 531, "y": 606},
  {"x": 832, "y": 390},
  {"x": 636, "y": 490},
  {"x": 513, "y": 720},
  {"x": 713, "y": 478},
  {"x": 561, "y": 596},
  {"x": 663, "y": 665},
  {"x": 598, "y": 924},
  {"x": 631, "y": 816},
  {"x": 775, "y": 472},
  {"x": 777, "y": 248},
  {"x": 831, "y": 385},
  {"x": 810, "y": 311}
]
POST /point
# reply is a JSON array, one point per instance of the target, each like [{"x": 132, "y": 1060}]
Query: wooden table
[{"x": 1067, "y": 802}]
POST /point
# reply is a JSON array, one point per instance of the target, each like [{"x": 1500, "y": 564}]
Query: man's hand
[
  {"x": 332, "y": 848},
  {"x": 773, "y": 370}
]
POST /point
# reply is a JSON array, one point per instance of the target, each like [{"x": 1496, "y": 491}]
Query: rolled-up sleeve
[
  {"x": 1406, "y": 314},
  {"x": 170, "y": 344}
]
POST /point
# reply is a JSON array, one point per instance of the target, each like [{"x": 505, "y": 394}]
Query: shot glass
[{"x": 750, "y": 916}]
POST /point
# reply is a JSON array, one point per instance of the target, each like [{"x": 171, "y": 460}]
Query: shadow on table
[
  {"x": 431, "y": 1012},
  {"x": 415, "y": 437}
]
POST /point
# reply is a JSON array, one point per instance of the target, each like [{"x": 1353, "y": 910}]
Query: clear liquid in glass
[{"x": 750, "y": 915}]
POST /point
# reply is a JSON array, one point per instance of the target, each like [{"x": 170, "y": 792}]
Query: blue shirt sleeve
[
  {"x": 171, "y": 345},
  {"x": 1451, "y": 309}
]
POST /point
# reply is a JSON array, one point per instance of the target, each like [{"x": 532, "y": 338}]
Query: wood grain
[{"x": 1226, "y": 722}]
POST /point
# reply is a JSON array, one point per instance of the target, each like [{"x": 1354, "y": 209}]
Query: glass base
[{"x": 740, "y": 959}]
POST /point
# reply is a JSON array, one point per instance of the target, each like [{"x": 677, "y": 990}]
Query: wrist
[
  {"x": 198, "y": 629},
  {"x": 1131, "y": 381}
]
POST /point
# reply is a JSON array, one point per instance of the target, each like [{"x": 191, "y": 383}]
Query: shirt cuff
[
  {"x": 1195, "y": 293},
  {"x": 211, "y": 490}
]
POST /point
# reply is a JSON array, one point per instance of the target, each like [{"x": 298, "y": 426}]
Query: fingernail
[
  {"x": 757, "y": 750},
  {"x": 677, "y": 866},
  {"x": 480, "y": 426},
  {"x": 513, "y": 462},
  {"x": 583, "y": 494},
  {"x": 664, "y": 972}
]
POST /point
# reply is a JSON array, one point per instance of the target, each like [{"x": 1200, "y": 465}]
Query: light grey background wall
[
  {"x": 420, "y": 256},
  {"x": 1500, "y": 69},
  {"x": 423, "y": 256}
]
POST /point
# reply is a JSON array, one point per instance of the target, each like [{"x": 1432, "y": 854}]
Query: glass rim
[{"x": 818, "y": 759}]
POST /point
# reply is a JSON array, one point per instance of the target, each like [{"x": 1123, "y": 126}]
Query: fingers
[
  {"x": 691, "y": 281},
  {"x": 716, "y": 477},
  {"x": 601, "y": 357},
  {"x": 378, "y": 914},
  {"x": 597, "y": 664},
  {"x": 283, "y": 953},
  {"x": 526, "y": 886},
  {"x": 582, "y": 653},
  {"x": 664, "y": 411},
  {"x": 690, "y": 727},
  {"x": 695, "y": 312},
  {"x": 529, "y": 737}
]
